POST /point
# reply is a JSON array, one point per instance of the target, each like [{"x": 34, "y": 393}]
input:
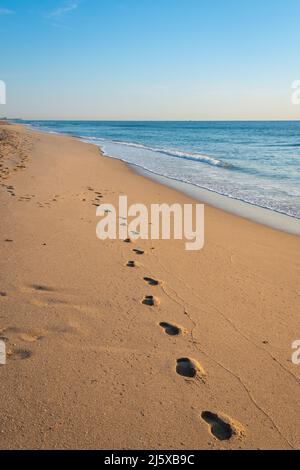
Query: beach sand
[{"x": 89, "y": 365}]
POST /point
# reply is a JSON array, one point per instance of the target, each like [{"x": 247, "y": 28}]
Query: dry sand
[{"x": 89, "y": 365}]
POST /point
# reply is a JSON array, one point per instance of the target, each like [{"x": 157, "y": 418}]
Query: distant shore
[{"x": 89, "y": 358}]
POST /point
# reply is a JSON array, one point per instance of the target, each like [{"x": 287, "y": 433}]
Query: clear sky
[{"x": 150, "y": 59}]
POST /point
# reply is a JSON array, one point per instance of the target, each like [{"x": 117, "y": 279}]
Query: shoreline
[
  {"x": 88, "y": 359},
  {"x": 249, "y": 211},
  {"x": 257, "y": 214}
]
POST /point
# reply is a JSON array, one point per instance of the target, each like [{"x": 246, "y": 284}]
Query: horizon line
[{"x": 147, "y": 120}]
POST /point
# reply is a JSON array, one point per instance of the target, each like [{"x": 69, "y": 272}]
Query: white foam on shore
[
  {"x": 243, "y": 209},
  {"x": 211, "y": 179}
]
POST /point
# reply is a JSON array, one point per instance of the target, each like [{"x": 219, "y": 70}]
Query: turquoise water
[{"x": 256, "y": 162}]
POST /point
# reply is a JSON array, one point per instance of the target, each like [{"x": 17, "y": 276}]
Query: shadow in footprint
[
  {"x": 127, "y": 240},
  {"x": 149, "y": 300},
  {"x": 219, "y": 428},
  {"x": 138, "y": 252},
  {"x": 151, "y": 282},
  {"x": 189, "y": 368},
  {"x": 131, "y": 264},
  {"x": 20, "y": 354},
  {"x": 186, "y": 368},
  {"x": 170, "y": 330},
  {"x": 41, "y": 288}
]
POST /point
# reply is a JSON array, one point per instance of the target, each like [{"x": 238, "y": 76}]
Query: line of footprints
[{"x": 222, "y": 427}]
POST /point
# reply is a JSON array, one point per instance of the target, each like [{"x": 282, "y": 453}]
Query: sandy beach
[{"x": 90, "y": 366}]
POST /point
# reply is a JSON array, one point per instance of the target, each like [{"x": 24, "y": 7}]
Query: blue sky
[{"x": 150, "y": 59}]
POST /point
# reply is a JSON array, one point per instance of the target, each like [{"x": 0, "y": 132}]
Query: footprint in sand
[
  {"x": 189, "y": 368},
  {"x": 43, "y": 300},
  {"x": 138, "y": 252},
  {"x": 37, "y": 288},
  {"x": 222, "y": 427},
  {"x": 150, "y": 301},
  {"x": 14, "y": 333},
  {"x": 151, "y": 282},
  {"x": 19, "y": 353},
  {"x": 41, "y": 288},
  {"x": 3, "y": 294},
  {"x": 66, "y": 329},
  {"x": 47, "y": 303},
  {"x": 28, "y": 338},
  {"x": 131, "y": 264},
  {"x": 171, "y": 330}
]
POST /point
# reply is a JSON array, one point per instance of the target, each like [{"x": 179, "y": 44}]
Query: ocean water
[{"x": 255, "y": 162}]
